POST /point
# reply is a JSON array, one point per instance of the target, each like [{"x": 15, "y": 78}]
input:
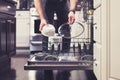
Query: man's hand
[
  {"x": 71, "y": 17},
  {"x": 42, "y": 24}
]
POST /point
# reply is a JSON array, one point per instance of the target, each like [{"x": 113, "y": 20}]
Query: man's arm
[
  {"x": 73, "y": 4},
  {"x": 39, "y": 7},
  {"x": 71, "y": 15}
]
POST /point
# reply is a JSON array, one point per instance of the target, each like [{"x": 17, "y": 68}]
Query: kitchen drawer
[{"x": 22, "y": 14}]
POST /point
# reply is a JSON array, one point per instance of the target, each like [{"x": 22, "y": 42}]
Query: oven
[{"x": 35, "y": 34}]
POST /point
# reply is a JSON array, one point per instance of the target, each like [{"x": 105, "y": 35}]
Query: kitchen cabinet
[
  {"x": 11, "y": 35},
  {"x": 7, "y": 42},
  {"x": 7, "y": 34},
  {"x": 114, "y": 40},
  {"x": 106, "y": 36},
  {"x": 22, "y": 29},
  {"x": 100, "y": 38},
  {"x": 2, "y": 37}
]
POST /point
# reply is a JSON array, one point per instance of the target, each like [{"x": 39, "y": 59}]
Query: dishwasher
[
  {"x": 80, "y": 54},
  {"x": 77, "y": 57}
]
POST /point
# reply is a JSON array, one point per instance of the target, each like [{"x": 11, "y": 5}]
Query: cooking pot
[{"x": 48, "y": 30}]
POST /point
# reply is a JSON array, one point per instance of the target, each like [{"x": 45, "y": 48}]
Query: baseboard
[{"x": 22, "y": 47}]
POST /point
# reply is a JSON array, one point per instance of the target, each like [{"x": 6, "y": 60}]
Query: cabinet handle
[
  {"x": 97, "y": 6},
  {"x": 36, "y": 42},
  {"x": 95, "y": 27},
  {"x": 20, "y": 14},
  {"x": 95, "y": 62},
  {"x": 95, "y": 24},
  {"x": 10, "y": 21}
]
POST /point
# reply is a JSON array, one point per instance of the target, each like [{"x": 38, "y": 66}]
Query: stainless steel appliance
[{"x": 35, "y": 34}]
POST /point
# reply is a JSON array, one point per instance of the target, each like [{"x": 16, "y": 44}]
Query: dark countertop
[
  {"x": 7, "y": 7},
  {"x": 10, "y": 1}
]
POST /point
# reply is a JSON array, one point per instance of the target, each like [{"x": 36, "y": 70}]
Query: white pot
[{"x": 48, "y": 30}]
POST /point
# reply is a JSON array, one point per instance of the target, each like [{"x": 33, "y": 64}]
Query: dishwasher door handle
[{"x": 36, "y": 42}]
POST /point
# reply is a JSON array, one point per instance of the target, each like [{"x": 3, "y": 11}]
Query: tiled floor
[{"x": 17, "y": 72}]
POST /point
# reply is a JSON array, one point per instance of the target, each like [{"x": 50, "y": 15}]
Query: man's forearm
[
  {"x": 73, "y": 4},
  {"x": 39, "y": 7}
]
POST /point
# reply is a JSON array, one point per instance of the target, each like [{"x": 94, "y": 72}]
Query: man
[{"x": 65, "y": 13}]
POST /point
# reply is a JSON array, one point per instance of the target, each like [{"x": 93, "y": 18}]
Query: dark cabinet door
[
  {"x": 5, "y": 34},
  {"x": 11, "y": 47},
  {"x": 4, "y": 58},
  {"x": 2, "y": 36}
]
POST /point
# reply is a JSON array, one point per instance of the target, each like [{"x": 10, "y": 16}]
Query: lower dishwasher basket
[
  {"x": 76, "y": 58},
  {"x": 33, "y": 64}
]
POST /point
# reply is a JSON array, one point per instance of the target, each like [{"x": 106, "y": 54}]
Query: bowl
[{"x": 48, "y": 30}]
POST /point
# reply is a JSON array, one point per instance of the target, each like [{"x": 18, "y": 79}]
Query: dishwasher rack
[
  {"x": 77, "y": 58},
  {"x": 55, "y": 65}
]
